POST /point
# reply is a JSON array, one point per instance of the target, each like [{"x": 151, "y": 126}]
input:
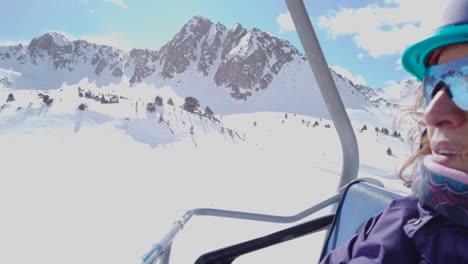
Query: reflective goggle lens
[{"x": 453, "y": 76}]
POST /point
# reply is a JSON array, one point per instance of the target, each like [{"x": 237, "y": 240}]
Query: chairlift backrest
[{"x": 359, "y": 203}]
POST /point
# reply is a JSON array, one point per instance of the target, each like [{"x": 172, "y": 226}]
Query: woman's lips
[
  {"x": 447, "y": 147},
  {"x": 446, "y": 153}
]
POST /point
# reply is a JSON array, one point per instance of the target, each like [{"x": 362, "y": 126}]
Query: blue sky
[{"x": 361, "y": 39}]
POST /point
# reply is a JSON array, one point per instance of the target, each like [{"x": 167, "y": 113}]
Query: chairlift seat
[{"x": 360, "y": 201}]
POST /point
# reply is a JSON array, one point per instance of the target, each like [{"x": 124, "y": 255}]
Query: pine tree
[
  {"x": 192, "y": 130},
  {"x": 46, "y": 99},
  {"x": 255, "y": 123},
  {"x": 103, "y": 99},
  {"x": 286, "y": 115},
  {"x": 161, "y": 118},
  {"x": 363, "y": 128},
  {"x": 82, "y": 106},
  {"x": 150, "y": 107},
  {"x": 389, "y": 151},
  {"x": 384, "y": 131},
  {"x": 208, "y": 112},
  {"x": 10, "y": 98},
  {"x": 191, "y": 104},
  {"x": 170, "y": 102},
  {"x": 158, "y": 100}
]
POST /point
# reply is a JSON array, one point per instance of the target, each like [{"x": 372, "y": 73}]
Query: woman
[{"x": 430, "y": 226}]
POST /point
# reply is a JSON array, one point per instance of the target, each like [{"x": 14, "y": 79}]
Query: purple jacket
[{"x": 405, "y": 232}]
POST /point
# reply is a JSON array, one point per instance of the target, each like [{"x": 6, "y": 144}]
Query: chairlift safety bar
[{"x": 161, "y": 250}]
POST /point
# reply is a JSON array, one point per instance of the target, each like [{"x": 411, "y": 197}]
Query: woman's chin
[{"x": 453, "y": 162}]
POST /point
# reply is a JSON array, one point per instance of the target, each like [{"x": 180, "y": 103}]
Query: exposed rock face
[
  {"x": 233, "y": 38},
  {"x": 210, "y": 48},
  {"x": 117, "y": 72},
  {"x": 180, "y": 52},
  {"x": 55, "y": 46},
  {"x": 143, "y": 64},
  {"x": 253, "y": 62},
  {"x": 243, "y": 61}
]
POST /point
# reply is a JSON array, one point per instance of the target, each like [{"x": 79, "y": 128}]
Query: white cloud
[
  {"x": 285, "y": 22},
  {"x": 119, "y": 3},
  {"x": 391, "y": 83},
  {"x": 360, "y": 55},
  {"x": 399, "y": 64},
  {"x": 384, "y": 30},
  {"x": 358, "y": 79}
]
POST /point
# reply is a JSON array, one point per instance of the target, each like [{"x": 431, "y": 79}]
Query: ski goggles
[{"x": 453, "y": 76}]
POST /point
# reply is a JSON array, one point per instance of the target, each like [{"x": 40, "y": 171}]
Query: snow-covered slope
[{"x": 85, "y": 179}]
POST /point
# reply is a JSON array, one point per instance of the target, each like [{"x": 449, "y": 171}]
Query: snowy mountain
[
  {"x": 232, "y": 70},
  {"x": 238, "y": 59},
  {"x": 394, "y": 98},
  {"x": 52, "y": 60},
  {"x": 399, "y": 95}
]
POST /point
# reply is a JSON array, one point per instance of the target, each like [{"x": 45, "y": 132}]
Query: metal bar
[
  {"x": 163, "y": 247},
  {"x": 158, "y": 249},
  {"x": 166, "y": 255},
  {"x": 267, "y": 218},
  {"x": 327, "y": 86}
]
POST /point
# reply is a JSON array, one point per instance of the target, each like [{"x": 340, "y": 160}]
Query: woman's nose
[{"x": 442, "y": 112}]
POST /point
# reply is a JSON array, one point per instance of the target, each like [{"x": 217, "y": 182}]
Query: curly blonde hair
[{"x": 420, "y": 130}]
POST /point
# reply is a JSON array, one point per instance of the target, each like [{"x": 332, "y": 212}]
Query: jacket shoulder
[
  {"x": 382, "y": 238},
  {"x": 404, "y": 207}
]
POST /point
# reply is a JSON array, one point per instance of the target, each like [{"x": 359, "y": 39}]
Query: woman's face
[{"x": 447, "y": 124}]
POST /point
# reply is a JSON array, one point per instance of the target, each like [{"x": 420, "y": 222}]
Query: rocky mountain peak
[
  {"x": 178, "y": 53},
  {"x": 237, "y": 27},
  {"x": 54, "y": 45},
  {"x": 197, "y": 26},
  {"x": 251, "y": 60},
  {"x": 51, "y": 40}
]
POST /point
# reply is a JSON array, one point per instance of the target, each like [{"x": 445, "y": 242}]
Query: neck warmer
[{"x": 443, "y": 189}]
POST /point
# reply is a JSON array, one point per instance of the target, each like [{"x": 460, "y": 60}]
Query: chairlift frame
[{"x": 162, "y": 250}]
